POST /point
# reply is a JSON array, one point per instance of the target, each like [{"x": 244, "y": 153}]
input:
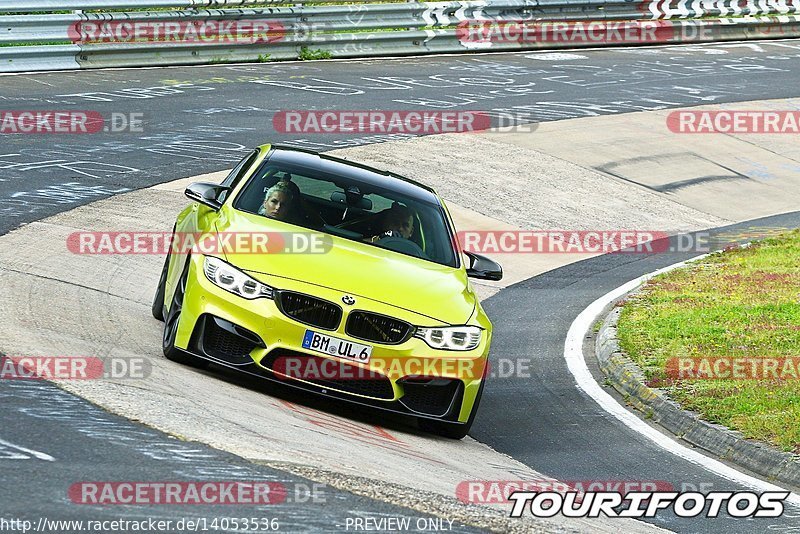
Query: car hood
[{"x": 437, "y": 291}]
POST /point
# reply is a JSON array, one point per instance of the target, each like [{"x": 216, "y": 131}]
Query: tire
[
  {"x": 453, "y": 430},
  {"x": 158, "y": 299},
  {"x": 171, "y": 322}
]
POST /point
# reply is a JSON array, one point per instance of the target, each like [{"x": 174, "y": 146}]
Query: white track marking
[
  {"x": 35, "y": 454},
  {"x": 555, "y": 56},
  {"x": 573, "y": 354}
]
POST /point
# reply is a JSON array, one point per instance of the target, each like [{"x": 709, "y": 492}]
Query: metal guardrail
[
  {"x": 39, "y": 34},
  {"x": 30, "y": 6}
]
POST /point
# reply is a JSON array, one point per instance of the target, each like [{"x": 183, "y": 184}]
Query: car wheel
[
  {"x": 158, "y": 299},
  {"x": 453, "y": 430},
  {"x": 171, "y": 322}
]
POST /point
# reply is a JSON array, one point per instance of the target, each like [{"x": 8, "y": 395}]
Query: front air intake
[
  {"x": 378, "y": 328},
  {"x": 310, "y": 310}
]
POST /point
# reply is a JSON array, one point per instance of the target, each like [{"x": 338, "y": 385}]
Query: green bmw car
[{"x": 333, "y": 277}]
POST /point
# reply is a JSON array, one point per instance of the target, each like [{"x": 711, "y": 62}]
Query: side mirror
[
  {"x": 206, "y": 193},
  {"x": 483, "y": 268}
]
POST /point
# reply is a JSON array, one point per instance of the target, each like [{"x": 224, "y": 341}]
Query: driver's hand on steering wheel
[{"x": 388, "y": 233}]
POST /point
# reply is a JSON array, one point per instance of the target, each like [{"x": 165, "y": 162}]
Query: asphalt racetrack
[{"x": 204, "y": 119}]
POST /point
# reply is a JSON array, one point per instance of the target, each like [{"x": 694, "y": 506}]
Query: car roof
[{"x": 357, "y": 171}]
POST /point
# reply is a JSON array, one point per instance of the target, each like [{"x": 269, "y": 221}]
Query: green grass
[
  {"x": 741, "y": 303},
  {"x": 45, "y": 43},
  {"x": 307, "y": 54}
]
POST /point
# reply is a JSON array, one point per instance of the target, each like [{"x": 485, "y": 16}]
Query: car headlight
[
  {"x": 231, "y": 279},
  {"x": 451, "y": 337}
]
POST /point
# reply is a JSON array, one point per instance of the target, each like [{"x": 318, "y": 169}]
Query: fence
[{"x": 58, "y": 34}]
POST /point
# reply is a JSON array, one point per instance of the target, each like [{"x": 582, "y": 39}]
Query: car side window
[{"x": 238, "y": 172}]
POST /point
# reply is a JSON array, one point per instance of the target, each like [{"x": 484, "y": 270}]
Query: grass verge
[{"x": 741, "y": 307}]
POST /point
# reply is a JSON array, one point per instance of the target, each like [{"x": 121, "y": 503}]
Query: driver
[{"x": 397, "y": 221}]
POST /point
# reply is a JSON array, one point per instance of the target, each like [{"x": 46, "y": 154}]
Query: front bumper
[{"x": 255, "y": 336}]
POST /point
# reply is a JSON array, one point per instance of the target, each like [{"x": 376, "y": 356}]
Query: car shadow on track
[{"x": 306, "y": 402}]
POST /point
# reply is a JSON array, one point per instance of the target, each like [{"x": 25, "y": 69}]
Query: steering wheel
[{"x": 401, "y": 244}]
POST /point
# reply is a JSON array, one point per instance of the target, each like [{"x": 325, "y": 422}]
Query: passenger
[
  {"x": 397, "y": 221},
  {"x": 277, "y": 202}
]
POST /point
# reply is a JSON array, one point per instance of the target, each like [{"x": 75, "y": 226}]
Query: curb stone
[{"x": 628, "y": 379}]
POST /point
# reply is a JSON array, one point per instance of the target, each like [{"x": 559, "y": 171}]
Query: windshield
[{"x": 348, "y": 208}]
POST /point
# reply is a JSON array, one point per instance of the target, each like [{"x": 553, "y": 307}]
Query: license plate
[{"x": 340, "y": 348}]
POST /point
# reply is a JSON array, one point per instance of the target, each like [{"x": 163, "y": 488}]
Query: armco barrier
[{"x": 59, "y": 34}]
